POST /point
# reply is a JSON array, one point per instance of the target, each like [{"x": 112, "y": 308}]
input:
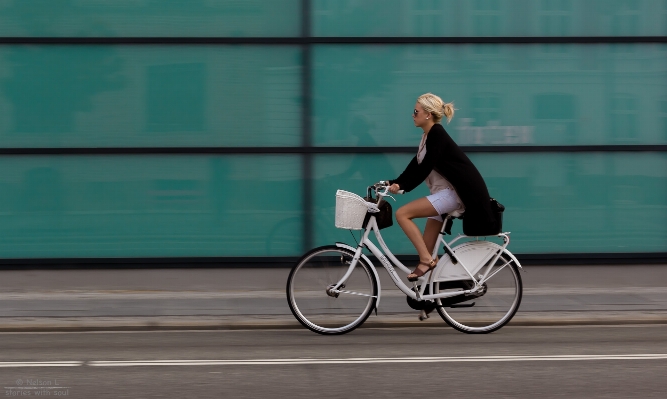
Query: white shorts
[{"x": 445, "y": 201}]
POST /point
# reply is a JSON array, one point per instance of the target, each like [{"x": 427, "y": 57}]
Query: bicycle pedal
[{"x": 423, "y": 315}]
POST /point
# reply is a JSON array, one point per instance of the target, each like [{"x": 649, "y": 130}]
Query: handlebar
[
  {"x": 381, "y": 189},
  {"x": 386, "y": 185}
]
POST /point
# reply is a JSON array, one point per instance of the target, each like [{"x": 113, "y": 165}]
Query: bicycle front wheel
[
  {"x": 490, "y": 308},
  {"x": 322, "y": 310}
]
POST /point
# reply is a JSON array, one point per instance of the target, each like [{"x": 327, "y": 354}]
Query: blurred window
[
  {"x": 485, "y": 109},
  {"x": 623, "y": 118},
  {"x": 555, "y": 120}
]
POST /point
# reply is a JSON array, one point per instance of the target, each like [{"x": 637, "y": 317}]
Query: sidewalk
[{"x": 62, "y": 300}]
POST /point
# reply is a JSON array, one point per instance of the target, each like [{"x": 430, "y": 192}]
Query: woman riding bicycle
[{"x": 454, "y": 182}]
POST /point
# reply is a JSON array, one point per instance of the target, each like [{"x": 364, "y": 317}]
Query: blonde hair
[{"x": 436, "y": 107}]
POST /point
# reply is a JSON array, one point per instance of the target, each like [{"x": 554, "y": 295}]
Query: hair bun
[{"x": 435, "y": 106}]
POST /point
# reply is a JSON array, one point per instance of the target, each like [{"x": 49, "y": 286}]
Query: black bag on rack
[
  {"x": 473, "y": 227},
  {"x": 383, "y": 218}
]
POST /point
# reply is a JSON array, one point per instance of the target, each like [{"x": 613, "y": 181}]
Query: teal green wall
[
  {"x": 490, "y": 18},
  {"x": 143, "y": 96},
  {"x": 504, "y": 94},
  {"x": 251, "y": 18},
  {"x": 150, "y": 18},
  {"x": 96, "y": 96},
  {"x": 148, "y": 206}
]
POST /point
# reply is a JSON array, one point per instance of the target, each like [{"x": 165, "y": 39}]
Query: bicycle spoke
[
  {"x": 355, "y": 293},
  {"x": 495, "y": 272}
]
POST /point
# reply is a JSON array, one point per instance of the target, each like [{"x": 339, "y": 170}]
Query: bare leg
[
  {"x": 418, "y": 208},
  {"x": 431, "y": 233}
]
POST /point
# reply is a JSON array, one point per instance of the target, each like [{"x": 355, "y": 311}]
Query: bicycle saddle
[{"x": 449, "y": 220}]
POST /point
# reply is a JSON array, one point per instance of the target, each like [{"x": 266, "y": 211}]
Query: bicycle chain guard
[{"x": 447, "y": 302}]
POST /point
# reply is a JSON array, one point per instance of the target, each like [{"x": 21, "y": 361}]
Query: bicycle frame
[{"x": 413, "y": 293}]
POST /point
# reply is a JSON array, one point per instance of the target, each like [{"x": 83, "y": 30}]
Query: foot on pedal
[{"x": 423, "y": 315}]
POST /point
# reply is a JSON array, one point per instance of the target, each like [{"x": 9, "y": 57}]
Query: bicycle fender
[
  {"x": 375, "y": 273},
  {"x": 474, "y": 254}
]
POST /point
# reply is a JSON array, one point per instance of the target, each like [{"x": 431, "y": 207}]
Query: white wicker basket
[{"x": 351, "y": 210}]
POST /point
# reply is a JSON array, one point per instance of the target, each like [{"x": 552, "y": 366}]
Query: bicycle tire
[
  {"x": 320, "y": 312},
  {"x": 493, "y": 309}
]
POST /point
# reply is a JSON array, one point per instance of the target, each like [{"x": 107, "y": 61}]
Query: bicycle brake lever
[{"x": 387, "y": 195}]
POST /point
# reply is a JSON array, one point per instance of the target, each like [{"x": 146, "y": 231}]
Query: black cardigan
[{"x": 446, "y": 158}]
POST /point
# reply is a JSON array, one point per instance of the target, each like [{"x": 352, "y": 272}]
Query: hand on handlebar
[
  {"x": 383, "y": 188},
  {"x": 395, "y": 188}
]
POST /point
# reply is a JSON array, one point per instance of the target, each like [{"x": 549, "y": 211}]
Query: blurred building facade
[{"x": 222, "y": 128}]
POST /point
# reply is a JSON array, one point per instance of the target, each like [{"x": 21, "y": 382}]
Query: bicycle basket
[{"x": 350, "y": 210}]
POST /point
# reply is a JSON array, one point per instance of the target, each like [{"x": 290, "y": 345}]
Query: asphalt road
[{"x": 515, "y": 362}]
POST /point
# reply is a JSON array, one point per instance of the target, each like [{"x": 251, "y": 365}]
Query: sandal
[{"x": 414, "y": 276}]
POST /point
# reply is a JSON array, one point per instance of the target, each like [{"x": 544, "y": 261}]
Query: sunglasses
[{"x": 415, "y": 112}]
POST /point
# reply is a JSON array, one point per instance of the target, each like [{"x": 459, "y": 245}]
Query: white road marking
[
  {"x": 41, "y": 364},
  {"x": 261, "y": 362},
  {"x": 361, "y": 360}
]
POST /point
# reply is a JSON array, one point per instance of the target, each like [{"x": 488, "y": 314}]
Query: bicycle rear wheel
[
  {"x": 311, "y": 300},
  {"x": 492, "y": 307}
]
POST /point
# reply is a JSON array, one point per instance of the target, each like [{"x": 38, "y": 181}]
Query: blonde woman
[{"x": 454, "y": 182}]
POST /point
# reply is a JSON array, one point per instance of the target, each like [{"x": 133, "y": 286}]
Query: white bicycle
[{"x": 475, "y": 287}]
